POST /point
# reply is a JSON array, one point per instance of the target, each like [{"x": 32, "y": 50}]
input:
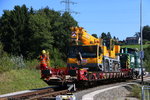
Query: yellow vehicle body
[{"x": 79, "y": 34}]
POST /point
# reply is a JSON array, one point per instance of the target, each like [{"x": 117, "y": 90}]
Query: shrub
[
  {"x": 136, "y": 91},
  {"x": 32, "y": 64},
  {"x": 145, "y": 41},
  {"x": 5, "y": 62},
  {"x": 56, "y": 58},
  {"x": 8, "y": 62},
  {"x": 146, "y": 58}
]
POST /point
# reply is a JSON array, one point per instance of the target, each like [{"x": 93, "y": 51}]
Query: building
[{"x": 132, "y": 40}]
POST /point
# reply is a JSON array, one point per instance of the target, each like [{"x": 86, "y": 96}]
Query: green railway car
[{"x": 130, "y": 59}]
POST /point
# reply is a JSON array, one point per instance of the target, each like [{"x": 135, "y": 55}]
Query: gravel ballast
[{"x": 120, "y": 93}]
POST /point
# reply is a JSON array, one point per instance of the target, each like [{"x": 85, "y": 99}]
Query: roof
[{"x": 132, "y": 38}]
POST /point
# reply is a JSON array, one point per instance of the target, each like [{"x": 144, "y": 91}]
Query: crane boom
[{"x": 81, "y": 35}]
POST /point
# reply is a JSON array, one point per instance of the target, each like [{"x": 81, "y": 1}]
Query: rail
[
  {"x": 38, "y": 94},
  {"x": 42, "y": 93},
  {"x": 30, "y": 94},
  {"x": 57, "y": 92}
]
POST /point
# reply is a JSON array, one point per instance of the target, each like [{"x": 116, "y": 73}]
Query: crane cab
[{"x": 85, "y": 56}]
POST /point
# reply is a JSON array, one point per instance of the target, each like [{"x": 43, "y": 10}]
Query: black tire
[
  {"x": 106, "y": 65},
  {"x": 116, "y": 67}
]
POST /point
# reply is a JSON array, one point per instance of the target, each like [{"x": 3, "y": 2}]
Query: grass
[
  {"x": 17, "y": 74},
  {"x": 135, "y": 46},
  {"x": 148, "y": 42},
  {"x": 136, "y": 91},
  {"x": 18, "y": 80}
]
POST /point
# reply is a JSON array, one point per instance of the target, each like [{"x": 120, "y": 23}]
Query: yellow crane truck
[
  {"x": 91, "y": 60},
  {"x": 89, "y": 52}
]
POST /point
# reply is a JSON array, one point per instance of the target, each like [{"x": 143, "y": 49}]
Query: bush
[
  {"x": 136, "y": 91},
  {"x": 56, "y": 58},
  {"x": 18, "y": 61},
  {"x": 146, "y": 58},
  {"x": 8, "y": 63},
  {"x": 145, "y": 41},
  {"x": 148, "y": 42},
  {"x": 32, "y": 64},
  {"x": 5, "y": 62}
]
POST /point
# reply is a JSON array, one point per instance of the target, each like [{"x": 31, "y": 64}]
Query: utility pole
[
  {"x": 67, "y": 6},
  {"x": 141, "y": 43}
]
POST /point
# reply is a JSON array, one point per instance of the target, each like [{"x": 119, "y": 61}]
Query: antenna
[{"x": 67, "y": 6}]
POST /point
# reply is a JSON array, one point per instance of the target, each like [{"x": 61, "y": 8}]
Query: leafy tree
[
  {"x": 63, "y": 33},
  {"x": 41, "y": 38},
  {"x": 60, "y": 28},
  {"x": 146, "y": 58},
  {"x": 108, "y": 35},
  {"x": 118, "y": 39},
  {"x": 26, "y": 32},
  {"x": 32, "y": 11},
  {"x": 14, "y": 29},
  {"x": 103, "y": 35},
  {"x": 146, "y": 32},
  {"x": 114, "y": 38},
  {"x": 95, "y": 35}
]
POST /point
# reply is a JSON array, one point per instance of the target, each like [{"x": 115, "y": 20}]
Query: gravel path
[{"x": 120, "y": 93}]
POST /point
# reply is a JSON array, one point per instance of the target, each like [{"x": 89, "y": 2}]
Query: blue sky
[{"x": 119, "y": 17}]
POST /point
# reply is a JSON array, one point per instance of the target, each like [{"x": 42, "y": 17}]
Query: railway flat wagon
[{"x": 91, "y": 60}]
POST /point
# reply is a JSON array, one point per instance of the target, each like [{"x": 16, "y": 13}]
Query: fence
[{"x": 145, "y": 92}]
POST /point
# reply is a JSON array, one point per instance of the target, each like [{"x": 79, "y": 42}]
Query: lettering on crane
[
  {"x": 87, "y": 36},
  {"x": 74, "y": 35}
]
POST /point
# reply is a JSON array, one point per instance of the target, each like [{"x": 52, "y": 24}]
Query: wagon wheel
[
  {"x": 106, "y": 65},
  {"x": 113, "y": 67},
  {"x": 134, "y": 74},
  {"x": 116, "y": 67},
  {"x": 91, "y": 79}
]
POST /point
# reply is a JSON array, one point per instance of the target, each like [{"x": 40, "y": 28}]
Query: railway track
[
  {"x": 79, "y": 94},
  {"x": 49, "y": 93},
  {"x": 37, "y": 95}
]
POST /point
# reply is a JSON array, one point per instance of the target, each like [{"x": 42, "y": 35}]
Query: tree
[
  {"x": 41, "y": 38},
  {"x": 26, "y": 32},
  {"x": 108, "y": 35},
  {"x": 146, "y": 32},
  {"x": 95, "y": 35},
  {"x": 114, "y": 38},
  {"x": 14, "y": 29},
  {"x": 103, "y": 35},
  {"x": 146, "y": 58},
  {"x": 62, "y": 33},
  {"x": 118, "y": 39}
]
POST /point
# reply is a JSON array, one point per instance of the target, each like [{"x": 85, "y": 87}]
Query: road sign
[{"x": 141, "y": 54}]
